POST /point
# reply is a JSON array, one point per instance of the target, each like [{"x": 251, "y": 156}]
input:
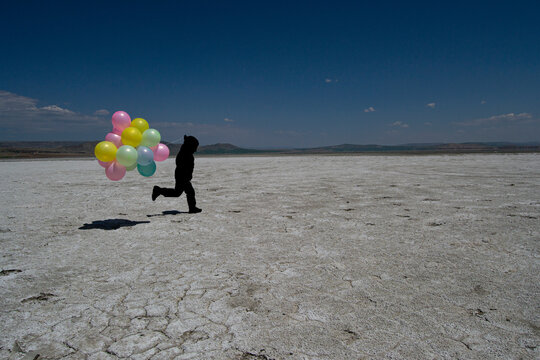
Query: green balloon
[
  {"x": 132, "y": 167},
  {"x": 150, "y": 138},
  {"x": 126, "y": 155},
  {"x": 147, "y": 170}
]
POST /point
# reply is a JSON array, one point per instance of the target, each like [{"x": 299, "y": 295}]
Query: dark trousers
[{"x": 179, "y": 188}]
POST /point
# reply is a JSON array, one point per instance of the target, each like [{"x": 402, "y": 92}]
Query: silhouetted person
[{"x": 183, "y": 174}]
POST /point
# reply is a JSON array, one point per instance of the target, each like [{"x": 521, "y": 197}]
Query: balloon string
[{"x": 174, "y": 141}]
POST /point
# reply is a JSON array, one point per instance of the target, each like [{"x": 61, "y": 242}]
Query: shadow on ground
[
  {"x": 111, "y": 224},
  {"x": 169, "y": 212}
]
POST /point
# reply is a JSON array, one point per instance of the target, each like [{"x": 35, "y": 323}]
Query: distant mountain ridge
[
  {"x": 59, "y": 149},
  {"x": 217, "y": 149}
]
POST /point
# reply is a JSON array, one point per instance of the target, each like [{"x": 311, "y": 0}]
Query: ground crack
[
  {"x": 246, "y": 355},
  {"x": 40, "y": 297},
  {"x": 9, "y": 271}
]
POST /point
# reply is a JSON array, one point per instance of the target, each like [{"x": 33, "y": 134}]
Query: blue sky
[{"x": 273, "y": 74}]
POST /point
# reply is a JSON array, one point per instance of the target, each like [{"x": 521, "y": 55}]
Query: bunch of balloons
[{"x": 130, "y": 145}]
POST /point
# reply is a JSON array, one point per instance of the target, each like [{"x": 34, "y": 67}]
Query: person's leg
[
  {"x": 156, "y": 191},
  {"x": 176, "y": 192},
  {"x": 190, "y": 195}
]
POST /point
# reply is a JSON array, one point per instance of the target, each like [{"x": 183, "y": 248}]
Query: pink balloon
[
  {"x": 114, "y": 138},
  {"x": 161, "y": 152},
  {"x": 117, "y": 131},
  {"x": 120, "y": 121},
  {"x": 104, "y": 164},
  {"x": 115, "y": 171}
]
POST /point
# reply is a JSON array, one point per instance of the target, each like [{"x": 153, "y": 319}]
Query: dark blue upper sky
[{"x": 279, "y": 73}]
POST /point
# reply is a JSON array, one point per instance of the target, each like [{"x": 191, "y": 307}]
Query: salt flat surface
[{"x": 347, "y": 257}]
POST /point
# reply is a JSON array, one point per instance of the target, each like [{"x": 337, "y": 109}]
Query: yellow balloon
[
  {"x": 140, "y": 124},
  {"x": 105, "y": 151},
  {"x": 131, "y": 136}
]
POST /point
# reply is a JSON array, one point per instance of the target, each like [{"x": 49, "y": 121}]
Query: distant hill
[
  {"x": 46, "y": 149},
  {"x": 59, "y": 149},
  {"x": 217, "y": 149},
  {"x": 418, "y": 148},
  {"x": 424, "y": 148}
]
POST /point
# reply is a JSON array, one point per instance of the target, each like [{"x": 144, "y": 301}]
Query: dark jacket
[{"x": 185, "y": 160}]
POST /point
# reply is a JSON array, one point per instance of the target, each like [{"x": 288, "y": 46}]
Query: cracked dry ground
[{"x": 345, "y": 257}]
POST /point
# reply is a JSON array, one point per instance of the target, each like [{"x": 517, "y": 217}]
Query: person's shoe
[
  {"x": 155, "y": 193},
  {"x": 194, "y": 210}
]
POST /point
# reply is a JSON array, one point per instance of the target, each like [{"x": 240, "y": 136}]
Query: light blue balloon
[
  {"x": 144, "y": 155},
  {"x": 147, "y": 170}
]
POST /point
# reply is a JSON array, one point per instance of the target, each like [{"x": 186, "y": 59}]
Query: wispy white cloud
[
  {"x": 16, "y": 105},
  {"x": 369, "y": 109},
  {"x": 400, "y": 124},
  {"x": 431, "y": 105},
  {"x": 10, "y": 102},
  {"x": 498, "y": 119},
  {"x": 483, "y": 102},
  {"x": 102, "y": 112},
  {"x": 428, "y": 123},
  {"x": 56, "y": 109},
  {"x": 20, "y": 112},
  {"x": 328, "y": 80},
  {"x": 228, "y": 120}
]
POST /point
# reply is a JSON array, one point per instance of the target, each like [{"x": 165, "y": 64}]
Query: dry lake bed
[{"x": 307, "y": 257}]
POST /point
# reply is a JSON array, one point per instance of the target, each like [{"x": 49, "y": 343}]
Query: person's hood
[{"x": 190, "y": 144}]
